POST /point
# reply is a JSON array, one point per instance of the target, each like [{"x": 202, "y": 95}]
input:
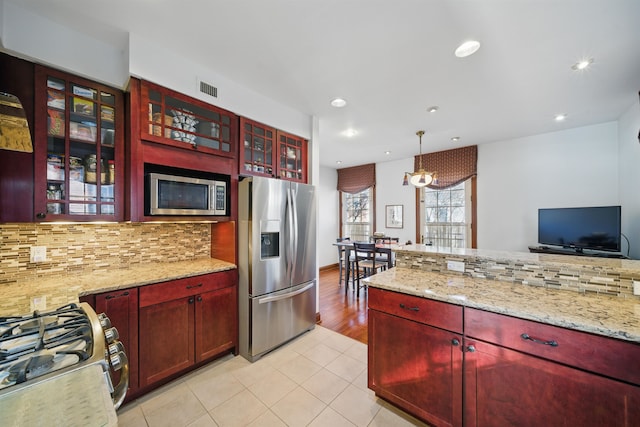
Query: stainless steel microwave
[{"x": 181, "y": 195}]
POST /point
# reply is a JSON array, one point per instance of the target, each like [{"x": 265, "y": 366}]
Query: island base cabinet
[
  {"x": 417, "y": 367},
  {"x": 504, "y": 387}
]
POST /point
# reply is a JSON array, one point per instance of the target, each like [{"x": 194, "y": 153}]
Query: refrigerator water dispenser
[{"x": 269, "y": 245}]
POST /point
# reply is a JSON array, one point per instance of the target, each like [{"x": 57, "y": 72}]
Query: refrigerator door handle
[
  {"x": 266, "y": 300},
  {"x": 290, "y": 243},
  {"x": 294, "y": 227}
]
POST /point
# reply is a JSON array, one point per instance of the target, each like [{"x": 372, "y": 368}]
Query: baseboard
[{"x": 329, "y": 267}]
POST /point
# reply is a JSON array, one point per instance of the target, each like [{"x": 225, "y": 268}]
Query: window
[
  {"x": 357, "y": 218},
  {"x": 446, "y": 216}
]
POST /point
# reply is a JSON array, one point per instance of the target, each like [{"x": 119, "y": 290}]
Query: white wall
[
  {"x": 329, "y": 222},
  {"x": 576, "y": 167},
  {"x": 390, "y": 191},
  {"x": 629, "y": 149}
]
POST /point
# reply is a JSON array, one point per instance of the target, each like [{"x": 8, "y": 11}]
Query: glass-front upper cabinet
[
  {"x": 172, "y": 118},
  {"x": 258, "y": 145},
  {"x": 79, "y": 148},
  {"x": 292, "y": 155},
  {"x": 266, "y": 151}
]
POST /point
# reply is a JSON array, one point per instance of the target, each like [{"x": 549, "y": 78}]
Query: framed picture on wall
[{"x": 393, "y": 216}]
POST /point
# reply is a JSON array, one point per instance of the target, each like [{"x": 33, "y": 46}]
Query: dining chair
[
  {"x": 365, "y": 263},
  {"x": 383, "y": 257},
  {"x": 341, "y": 265}
]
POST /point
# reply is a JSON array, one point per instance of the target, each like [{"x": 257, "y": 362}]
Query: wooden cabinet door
[
  {"x": 257, "y": 149},
  {"x": 216, "y": 322},
  {"x": 291, "y": 157},
  {"x": 506, "y": 388},
  {"x": 166, "y": 339},
  {"x": 122, "y": 309},
  {"x": 417, "y": 367},
  {"x": 79, "y": 153}
]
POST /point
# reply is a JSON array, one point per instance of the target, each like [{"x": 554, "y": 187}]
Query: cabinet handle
[
  {"x": 552, "y": 343},
  {"x": 471, "y": 349},
  {"x": 455, "y": 342},
  {"x": 409, "y": 308},
  {"x": 191, "y": 300},
  {"x": 199, "y": 285},
  {"x": 41, "y": 215},
  {"x": 199, "y": 299}
]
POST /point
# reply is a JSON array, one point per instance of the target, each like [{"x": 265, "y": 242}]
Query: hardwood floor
[{"x": 340, "y": 312}]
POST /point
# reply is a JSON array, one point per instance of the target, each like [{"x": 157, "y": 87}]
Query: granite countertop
[
  {"x": 609, "y": 316},
  {"x": 16, "y": 298}
]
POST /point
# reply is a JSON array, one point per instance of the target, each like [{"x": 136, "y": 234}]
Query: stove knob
[
  {"x": 116, "y": 361},
  {"x": 116, "y": 347},
  {"x": 111, "y": 335},
  {"x": 104, "y": 321}
]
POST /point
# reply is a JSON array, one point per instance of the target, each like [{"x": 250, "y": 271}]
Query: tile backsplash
[{"x": 85, "y": 248}]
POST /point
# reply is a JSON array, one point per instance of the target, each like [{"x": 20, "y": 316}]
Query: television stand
[{"x": 574, "y": 252}]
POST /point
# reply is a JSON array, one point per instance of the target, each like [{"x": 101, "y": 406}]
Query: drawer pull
[
  {"x": 471, "y": 349},
  {"x": 199, "y": 285},
  {"x": 455, "y": 342},
  {"x": 552, "y": 343},
  {"x": 409, "y": 308}
]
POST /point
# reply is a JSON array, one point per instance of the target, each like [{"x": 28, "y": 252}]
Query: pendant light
[{"x": 421, "y": 177}]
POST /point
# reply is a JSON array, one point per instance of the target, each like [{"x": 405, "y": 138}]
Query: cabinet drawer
[
  {"x": 435, "y": 313},
  {"x": 598, "y": 354},
  {"x": 181, "y": 288}
]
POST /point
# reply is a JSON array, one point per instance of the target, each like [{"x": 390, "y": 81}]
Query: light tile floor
[{"x": 318, "y": 379}]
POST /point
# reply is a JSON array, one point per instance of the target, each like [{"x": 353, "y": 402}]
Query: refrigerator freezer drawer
[{"x": 278, "y": 317}]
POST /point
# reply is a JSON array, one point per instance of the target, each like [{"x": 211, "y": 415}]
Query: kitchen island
[{"x": 515, "y": 339}]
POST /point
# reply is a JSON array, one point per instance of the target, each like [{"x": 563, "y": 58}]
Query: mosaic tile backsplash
[
  {"x": 85, "y": 248},
  {"x": 579, "y": 274}
]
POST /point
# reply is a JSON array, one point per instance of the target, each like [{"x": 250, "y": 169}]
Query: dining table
[{"x": 381, "y": 247}]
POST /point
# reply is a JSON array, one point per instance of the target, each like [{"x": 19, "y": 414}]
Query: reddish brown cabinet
[
  {"x": 184, "y": 322},
  {"x": 121, "y": 307},
  {"x": 78, "y": 155},
  {"x": 175, "y": 134},
  {"x": 266, "y": 151},
  {"x": 506, "y": 371},
  {"x": 171, "y": 118},
  {"x": 415, "y": 355},
  {"x": 524, "y": 373}
]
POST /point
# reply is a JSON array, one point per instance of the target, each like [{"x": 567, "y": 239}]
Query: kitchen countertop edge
[
  {"x": 609, "y": 316},
  {"x": 17, "y": 298}
]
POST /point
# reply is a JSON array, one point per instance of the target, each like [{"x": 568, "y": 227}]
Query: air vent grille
[{"x": 208, "y": 89}]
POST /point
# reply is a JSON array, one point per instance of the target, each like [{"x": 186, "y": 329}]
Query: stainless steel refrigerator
[{"x": 276, "y": 262}]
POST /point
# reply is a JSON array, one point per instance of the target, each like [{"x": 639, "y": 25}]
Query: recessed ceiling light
[
  {"x": 467, "y": 48},
  {"x": 350, "y": 132},
  {"x": 338, "y": 162},
  {"x": 433, "y": 109},
  {"x": 560, "y": 117},
  {"x": 387, "y": 152},
  {"x": 338, "y": 102},
  {"x": 455, "y": 138},
  {"x": 583, "y": 64}
]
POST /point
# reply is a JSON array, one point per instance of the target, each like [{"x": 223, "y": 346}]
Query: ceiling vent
[{"x": 208, "y": 89}]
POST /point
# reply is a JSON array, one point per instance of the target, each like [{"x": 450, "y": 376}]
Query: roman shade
[
  {"x": 451, "y": 166},
  {"x": 357, "y": 178}
]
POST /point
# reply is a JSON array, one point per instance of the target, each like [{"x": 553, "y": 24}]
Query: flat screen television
[{"x": 596, "y": 228}]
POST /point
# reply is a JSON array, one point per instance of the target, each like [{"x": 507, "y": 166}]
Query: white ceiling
[{"x": 391, "y": 59}]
